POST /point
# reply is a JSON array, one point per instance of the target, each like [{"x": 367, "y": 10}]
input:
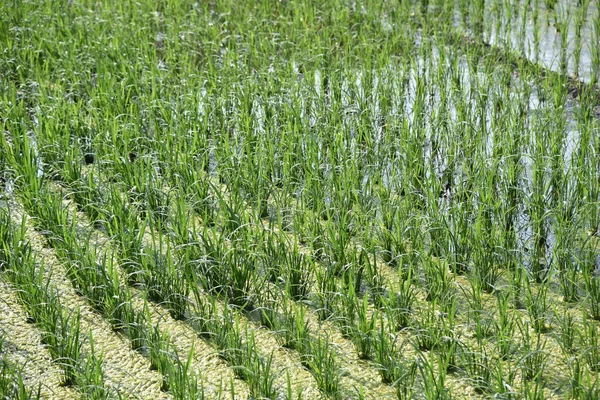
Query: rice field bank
[{"x": 344, "y": 199}]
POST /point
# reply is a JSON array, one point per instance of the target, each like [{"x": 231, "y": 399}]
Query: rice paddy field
[{"x": 292, "y": 199}]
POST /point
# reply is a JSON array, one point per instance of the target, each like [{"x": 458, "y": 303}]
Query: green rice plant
[
  {"x": 232, "y": 212},
  {"x": 66, "y": 345},
  {"x": 536, "y": 30},
  {"x": 393, "y": 233},
  {"x": 504, "y": 326},
  {"x": 121, "y": 222},
  {"x": 50, "y": 216},
  {"x": 563, "y": 21},
  {"x": 346, "y": 312},
  {"x": 166, "y": 281},
  {"x": 158, "y": 208},
  {"x": 458, "y": 230},
  {"x": 88, "y": 196},
  {"x": 436, "y": 223},
  {"x": 178, "y": 380},
  {"x": 575, "y": 378},
  {"x": 538, "y": 215},
  {"x": 568, "y": 332},
  {"x": 533, "y": 390},
  {"x": 93, "y": 376},
  {"x": 239, "y": 349},
  {"x": 336, "y": 244},
  {"x": 298, "y": 274},
  {"x": 534, "y": 358},
  {"x": 592, "y": 286},
  {"x": 580, "y": 17},
  {"x": 272, "y": 252},
  {"x": 428, "y": 332},
  {"x": 238, "y": 269},
  {"x": 269, "y": 315},
  {"x": 394, "y": 370},
  {"x": 375, "y": 280},
  {"x": 483, "y": 325},
  {"x": 327, "y": 294},
  {"x": 363, "y": 335},
  {"x": 434, "y": 386},
  {"x": 321, "y": 361},
  {"x": 536, "y": 303},
  {"x": 159, "y": 353},
  {"x": 478, "y": 367},
  {"x": 518, "y": 277},
  {"x": 438, "y": 281},
  {"x": 568, "y": 275},
  {"x": 398, "y": 307},
  {"x": 180, "y": 224},
  {"x": 295, "y": 332},
  {"x": 591, "y": 352},
  {"x": 22, "y": 157},
  {"x": 595, "y": 56},
  {"x": 485, "y": 261},
  {"x": 316, "y": 236},
  {"x": 203, "y": 312},
  {"x": 582, "y": 384},
  {"x": 183, "y": 382},
  {"x": 12, "y": 385},
  {"x": 208, "y": 268},
  {"x": 522, "y": 38},
  {"x": 450, "y": 346},
  {"x": 198, "y": 189},
  {"x": 230, "y": 272},
  {"x": 71, "y": 168},
  {"x": 262, "y": 381}
]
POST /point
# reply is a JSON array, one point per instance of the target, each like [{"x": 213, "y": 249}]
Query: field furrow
[{"x": 24, "y": 348}]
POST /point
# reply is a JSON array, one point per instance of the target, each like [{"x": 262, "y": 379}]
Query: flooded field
[{"x": 287, "y": 200}]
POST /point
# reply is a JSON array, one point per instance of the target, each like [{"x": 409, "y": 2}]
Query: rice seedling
[
  {"x": 399, "y": 304},
  {"x": 322, "y": 362},
  {"x": 534, "y": 358},
  {"x": 505, "y": 325},
  {"x": 590, "y": 344}
]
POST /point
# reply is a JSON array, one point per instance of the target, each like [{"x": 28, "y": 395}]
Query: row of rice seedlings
[
  {"x": 99, "y": 282},
  {"x": 327, "y": 301},
  {"x": 290, "y": 322},
  {"x": 60, "y": 329}
]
